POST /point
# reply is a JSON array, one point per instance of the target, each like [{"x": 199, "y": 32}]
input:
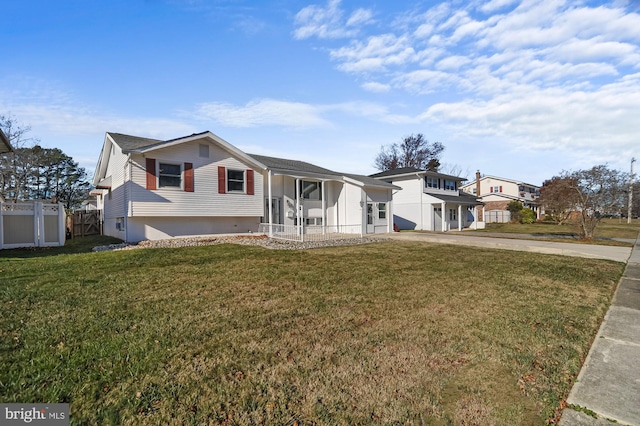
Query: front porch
[{"x": 307, "y": 233}]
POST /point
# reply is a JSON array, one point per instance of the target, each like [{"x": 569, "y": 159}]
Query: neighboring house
[
  {"x": 496, "y": 193},
  {"x": 429, "y": 201},
  {"x": 5, "y": 147},
  {"x": 202, "y": 185}
]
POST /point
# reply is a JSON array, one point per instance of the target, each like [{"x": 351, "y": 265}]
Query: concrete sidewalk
[
  {"x": 609, "y": 382},
  {"x": 593, "y": 251}
]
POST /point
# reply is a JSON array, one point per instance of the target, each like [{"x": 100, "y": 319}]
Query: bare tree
[
  {"x": 15, "y": 167},
  {"x": 589, "y": 194},
  {"x": 412, "y": 151}
]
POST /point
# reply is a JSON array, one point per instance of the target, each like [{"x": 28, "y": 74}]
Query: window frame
[
  {"x": 382, "y": 211},
  {"x": 179, "y": 176},
  {"x": 235, "y": 181}
]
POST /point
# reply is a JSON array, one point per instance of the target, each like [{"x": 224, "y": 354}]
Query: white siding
[
  {"x": 205, "y": 200},
  {"x": 409, "y": 210},
  {"x": 158, "y": 228}
]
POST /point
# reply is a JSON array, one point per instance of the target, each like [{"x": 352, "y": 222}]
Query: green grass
[
  {"x": 384, "y": 333},
  {"x": 607, "y": 229}
]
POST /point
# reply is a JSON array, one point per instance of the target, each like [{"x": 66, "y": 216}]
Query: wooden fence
[
  {"x": 85, "y": 223},
  {"x": 31, "y": 224}
]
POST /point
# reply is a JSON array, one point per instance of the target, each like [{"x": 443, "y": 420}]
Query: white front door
[
  {"x": 437, "y": 219},
  {"x": 370, "y": 218}
]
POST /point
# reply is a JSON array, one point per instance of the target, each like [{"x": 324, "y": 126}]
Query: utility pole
[{"x": 630, "y": 191}]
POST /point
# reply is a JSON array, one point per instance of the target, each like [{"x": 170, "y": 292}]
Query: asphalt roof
[
  {"x": 5, "y": 146},
  {"x": 412, "y": 170},
  {"x": 284, "y": 164},
  {"x": 131, "y": 143}
]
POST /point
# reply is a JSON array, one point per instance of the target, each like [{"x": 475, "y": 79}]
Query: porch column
[
  {"x": 484, "y": 217},
  {"x": 298, "y": 218},
  {"x": 1, "y": 227},
  {"x": 270, "y": 207},
  {"x": 459, "y": 217},
  {"x": 323, "y": 195},
  {"x": 444, "y": 217}
]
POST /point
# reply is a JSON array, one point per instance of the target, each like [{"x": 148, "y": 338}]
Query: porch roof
[
  {"x": 463, "y": 198},
  {"x": 303, "y": 169}
]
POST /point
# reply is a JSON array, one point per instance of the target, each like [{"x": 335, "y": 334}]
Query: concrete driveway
[{"x": 592, "y": 251}]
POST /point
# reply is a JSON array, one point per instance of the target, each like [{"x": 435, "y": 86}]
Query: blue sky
[{"x": 517, "y": 89}]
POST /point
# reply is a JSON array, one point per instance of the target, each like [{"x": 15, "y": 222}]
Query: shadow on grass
[{"x": 73, "y": 246}]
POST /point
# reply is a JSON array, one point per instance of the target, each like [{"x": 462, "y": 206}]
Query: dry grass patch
[{"x": 389, "y": 333}]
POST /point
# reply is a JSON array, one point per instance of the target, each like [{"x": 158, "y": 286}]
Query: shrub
[{"x": 527, "y": 216}]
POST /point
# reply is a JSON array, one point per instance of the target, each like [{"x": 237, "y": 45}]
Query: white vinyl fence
[
  {"x": 497, "y": 216},
  {"x": 311, "y": 232},
  {"x": 32, "y": 224}
]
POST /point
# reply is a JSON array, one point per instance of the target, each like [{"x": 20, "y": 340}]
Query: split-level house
[
  {"x": 430, "y": 201},
  {"x": 200, "y": 184},
  {"x": 496, "y": 193}
]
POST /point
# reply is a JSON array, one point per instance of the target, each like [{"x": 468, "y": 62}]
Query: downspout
[
  {"x": 324, "y": 207},
  {"x": 270, "y": 207},
  {"x": 127, "y": 197}
]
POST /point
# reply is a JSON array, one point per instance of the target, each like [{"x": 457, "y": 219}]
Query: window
[
  {"x": 473, "y": 190},
  {"x": 314, "y": 221},
  {"x": 496, "y": 189},
  {"x": 453, "y": 214},
  {"x": 120, "y": 223},
  {"x": 450, "y": 185},
  {"x": 204, "y": 150},
  {"x": 169, "y": 175},
  {"x": 310, "y": 190},
  {"x": 431, "y": 182},
  {"x": 235, "y": 180},
  {"x": 382, "y": 210}
]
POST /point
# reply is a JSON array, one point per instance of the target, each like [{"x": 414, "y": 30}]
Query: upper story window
[
  {"x": 431, "y": 182},
  {"x": 169, "y": 175},
  {"x": 496, "y": 189},
  {"x": 473, "y": 190},
  {"x": 235, "y": 180},
  {"x": 450, "y": 185}
]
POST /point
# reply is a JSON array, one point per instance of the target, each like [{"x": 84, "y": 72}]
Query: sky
[{"x": 517, "y": 89}]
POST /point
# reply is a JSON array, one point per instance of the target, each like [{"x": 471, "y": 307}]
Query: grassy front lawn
[
  {"x": 607, "y": 228},
  {"x": 384, "y": 333}
]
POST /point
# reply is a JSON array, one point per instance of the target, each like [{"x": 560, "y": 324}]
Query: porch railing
[{"x": 311, "y": 232}]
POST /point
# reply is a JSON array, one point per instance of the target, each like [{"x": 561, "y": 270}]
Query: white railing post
[
  {"x": 38, "y": 224},
  {"x": 62, "y": 224}
]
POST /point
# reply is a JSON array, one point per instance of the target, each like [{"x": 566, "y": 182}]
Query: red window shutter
[
  {"x": 188, "y": 177},
  {"x": 250, "y": 183},
  {"x": 501, "y": 189},
  {"x": 222, "y": 181},
  {"x": 151, "y": 173},
  {"x": 491, "y": 189}
]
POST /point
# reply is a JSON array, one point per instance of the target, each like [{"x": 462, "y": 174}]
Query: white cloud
[
  {"x": 373, "y": 86},
  {"x": 376, "y": 54},
  {"x": 327, "y": 22},
  {"x": 360, "y": 16},
  {"x": 262, "y": 112}
]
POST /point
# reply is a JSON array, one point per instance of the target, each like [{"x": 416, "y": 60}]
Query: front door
[
  {"x": 370, "y": 219},
  {"x": 437, "y": 219}
]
